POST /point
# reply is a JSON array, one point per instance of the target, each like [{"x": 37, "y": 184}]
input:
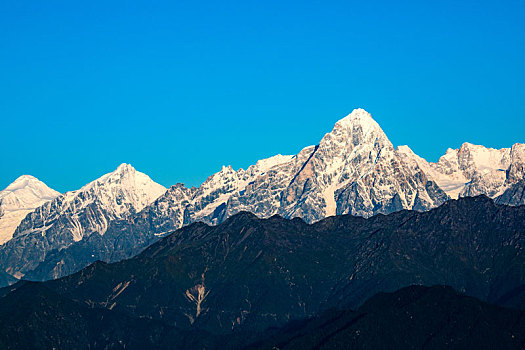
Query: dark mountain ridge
[
  {"x": 249, "y": 274},
  {"x": 414, "y": 317},
  {"x": 34, "y": 316}
]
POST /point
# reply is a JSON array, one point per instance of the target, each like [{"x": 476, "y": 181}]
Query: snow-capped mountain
[
  {"x": 354, "y": 169},
  {"x": 20, "y": 198},
  {"x": 74, "y": 215},
  {"x": 473, "y": 170}
]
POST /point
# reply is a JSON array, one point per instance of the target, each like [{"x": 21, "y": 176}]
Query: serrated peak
[{"x": 357, "y": 129}]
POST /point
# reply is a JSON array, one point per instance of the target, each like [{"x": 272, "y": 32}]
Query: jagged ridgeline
[
  {"x": 248, "y": 274},
  {"x": 354, "y": 170}
]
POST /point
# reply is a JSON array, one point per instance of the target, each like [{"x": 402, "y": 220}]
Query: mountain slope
[
  {"x": 75, "y": 215},
  {"x": 36, "y": 317},
  {"x": 249, "y": 273},
  {"x": 20, "y": 198}
]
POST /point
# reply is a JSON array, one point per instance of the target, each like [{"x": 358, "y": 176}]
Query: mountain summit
[
  {"x": 359, "y": 119},
  {"x": 20, "y": 198}
]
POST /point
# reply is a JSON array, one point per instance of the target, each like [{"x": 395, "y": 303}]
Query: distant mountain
[
  {"x": 18, "y": 199},
  {"x": 248, "y": 274},
  {"x": 473, "y": 170},
  {"x": 71, "y": 217},
  {"x": 353, "y": 170},
  {"x": 412, "y": 318}
]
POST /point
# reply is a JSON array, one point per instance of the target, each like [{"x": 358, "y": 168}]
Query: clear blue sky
[{"x": 178, "y": 89}]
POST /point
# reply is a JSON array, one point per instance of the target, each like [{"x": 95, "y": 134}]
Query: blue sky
[{"x": 178, "y": 89}]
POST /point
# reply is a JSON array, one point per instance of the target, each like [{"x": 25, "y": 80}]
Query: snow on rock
[
  {"x": 473, "y": 170},
  {"x": 354, "y": 169}
]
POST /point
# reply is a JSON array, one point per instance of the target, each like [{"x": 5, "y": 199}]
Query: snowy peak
[
  {"x": 124, "y": 168},
  {"x": 357, "y": 117},
  {"x": 120, "y": 191},
  {"x": 20, "y": 198},
  {"x": 353, "y": 170},
  {"x": 118, "y": 176},
  {"x": 358, "y": 128},
  {"x": 472, "y": 170},
  {"x": 406, "y": 154},
  {"x": 112, "y": 196},
  {"x": 479, "y": 159},
  {"x": 356, "y": 141},
  {"x": 405, "y": 150},
  {"x": 28, "y": 188}
]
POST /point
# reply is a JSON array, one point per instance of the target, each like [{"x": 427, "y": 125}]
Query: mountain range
[
  {"x": 272, "y": 282},
  {"x": 354, "y": 170}
]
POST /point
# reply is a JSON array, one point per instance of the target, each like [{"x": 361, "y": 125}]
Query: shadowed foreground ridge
[
  {"x": 248, "y": 274},
  {"x": 414, "y": 317}
]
